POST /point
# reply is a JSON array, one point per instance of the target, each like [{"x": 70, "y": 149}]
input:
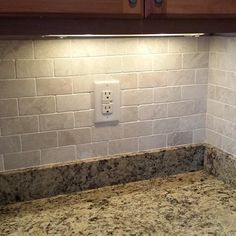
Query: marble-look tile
[
  {"x": 34, "y": 183},
  {"x": 8, "y": 107},
  {"x": 17, "y": 88},
  {"x": 21, "y": 160}
]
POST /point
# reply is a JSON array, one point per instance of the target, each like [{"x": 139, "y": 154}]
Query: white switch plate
[{"x": 112, "y": 89}]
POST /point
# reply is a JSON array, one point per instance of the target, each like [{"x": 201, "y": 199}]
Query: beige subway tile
[
  {"x": 127, "y": 81},
  {"x": 219, "y": 125},
  {"x": 34, "y": 68},
  {"x": 56, "y": 121},
  {"x": 121, "y": 46},
  {"x": 39, "y": 141},
  {"x": 165, "y": 125},
  {"x": 2, "y": 168},
  {"x": 225, "y": 95},
  {"x": 177, "y": 109},
  {"x": 83, "y": 84},
  {"x": 229, "y": 145},
  {"x": 22, "y": 160},
  {"x": 8, "y": 107},
  {"x": 136, "y": 97},
  {"x": 137, "y": 63},
  {"x": 229, "y": 62},
  {"x": 10, "y": 144},
  {"x": 180, "y": 77},
  {"x": 224, "y": 127},
  {"x": 217, "y": 77},
  {"x": 211, "y": 92},
  {"x": 192, "y": 122},
  {"x": 7, "y": 70},
  {"x": 200, "y": 105},
  {"x": 88, "y": 47},
  {"x": 180, "y": 138},
  {"x": 218, "y": 44},
  {"x": 103, "y": 133},
  {"x": 202, "y": 76},
  {"x": 92, "y": 150},
  {"x": 153, "y": 111},
  {"x": 103, "y": 65},
  {"x": 136, "y": 129},
  {"x": 74, "y": 137},
  {"x": 16, "y": 49},
  {"x": 231, "y": 44},
  {"x": 199, "y": 136},
  {"x": 56, "y": 48},
  {"x": 129, "y": 114},
  {"x": 37, "y": 105},
  {"x": 203, "y": 44},
  {"x": 231, "y": 80},
  {"x": 74, "y": 102},
  {"x": 70, "y": 67},
  {"x": 215, "y": 108},
  {"x": 194, "y": 92},
  {"x": 123, "y": 146},
  {"x": 209, "y": 121},
  {"x": 152, "y": 79},
  {"x": 218, "y": 61},
  {"x": 182, "y": 44},
  {"x": 213, "y": 138},
  {"x": 84, "y": 118},
  {"x": 54, "y": 86},
  {"x": 17, "y": 88},
  {"x": 167, "y": 62},
  {"x": 167, "y": 94},
  {"x": 149, "y": 45},
  {"x": 229, "y": 113},
  {"x": 19, "y": 125},
  {"x": 57, "y": 155},
  {"x": 195, "y": 60},
  {"x": 152, "y": 142}
]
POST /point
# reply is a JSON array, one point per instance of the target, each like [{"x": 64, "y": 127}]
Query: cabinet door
[
  {"x": 88, "y": 8},
  {"x": 191, "y": 8}
]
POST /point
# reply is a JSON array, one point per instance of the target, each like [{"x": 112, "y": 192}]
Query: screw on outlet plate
[
  {"x": 133, "y": 2},
  {"x": 158, "y": 1}
]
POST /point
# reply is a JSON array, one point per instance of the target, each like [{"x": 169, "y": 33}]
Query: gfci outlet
[{"x": 107, "y": 101}]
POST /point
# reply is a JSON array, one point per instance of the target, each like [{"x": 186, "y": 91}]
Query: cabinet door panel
[
  {"x": 111, "y": 8},
  {"x": 193, "y": 8}
]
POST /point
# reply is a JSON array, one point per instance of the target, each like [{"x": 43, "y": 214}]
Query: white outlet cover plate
[{"x": 99, "y": 88}]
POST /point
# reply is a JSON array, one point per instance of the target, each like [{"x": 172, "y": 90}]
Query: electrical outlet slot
[
  {"x": 107, "y": 96},
  {"x": 107, "y": 109}
]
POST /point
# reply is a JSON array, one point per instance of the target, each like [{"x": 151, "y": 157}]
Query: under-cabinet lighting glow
[{"x": 122, "y": 35}]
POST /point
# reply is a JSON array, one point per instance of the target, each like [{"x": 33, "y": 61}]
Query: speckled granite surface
[
  {"x": 187, "y": 204},
  {"x": 35, "y": 183},
  {"x": 220, "y": 164}
]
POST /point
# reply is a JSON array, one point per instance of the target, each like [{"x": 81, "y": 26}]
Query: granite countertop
[{"x": 194, "y": 203}]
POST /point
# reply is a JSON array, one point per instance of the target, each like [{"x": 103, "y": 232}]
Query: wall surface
[
  {"x": 221, "y": 110},
  {"x": 46, "y": 97}
]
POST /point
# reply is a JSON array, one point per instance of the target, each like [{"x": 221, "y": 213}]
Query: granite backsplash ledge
[
  {"x": 41, "y": 182},
  {"x": 220, "y": 164}
]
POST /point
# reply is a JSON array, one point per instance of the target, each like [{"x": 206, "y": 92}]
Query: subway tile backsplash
[
  {"x": 221, "y": 102},
  {"x": 46, "y": 96}
]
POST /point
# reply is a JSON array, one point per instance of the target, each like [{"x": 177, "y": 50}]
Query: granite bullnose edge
[
  {"x": 220, "y": 164},
  {"x": 41, "y": 182}
]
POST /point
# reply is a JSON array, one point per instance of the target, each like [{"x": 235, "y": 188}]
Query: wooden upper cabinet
[
  {"x": 191, "y": 8},
  {"x": 91, "y": 8}
]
